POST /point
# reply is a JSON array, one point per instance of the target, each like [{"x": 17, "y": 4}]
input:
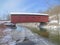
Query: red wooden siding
[{"x": 28, "y": 18}]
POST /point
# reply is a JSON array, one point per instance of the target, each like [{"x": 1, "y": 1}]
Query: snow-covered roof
[{"x": 28, "y": 13}]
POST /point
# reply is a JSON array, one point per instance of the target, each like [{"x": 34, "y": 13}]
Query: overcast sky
[{"x": 7, "y": 6}]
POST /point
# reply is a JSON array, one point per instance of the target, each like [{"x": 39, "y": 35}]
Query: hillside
[{"x": 54, "y": 15}]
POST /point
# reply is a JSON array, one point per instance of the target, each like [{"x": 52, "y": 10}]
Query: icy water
[
  {"x": 33, "y": 37},
  {"x": 18, "y": 35}
]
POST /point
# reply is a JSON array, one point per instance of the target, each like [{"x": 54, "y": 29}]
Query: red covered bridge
[{"x": 28, "y": 17}]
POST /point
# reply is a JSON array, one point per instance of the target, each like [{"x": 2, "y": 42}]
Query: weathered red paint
[{"x": 28, "y": 18}]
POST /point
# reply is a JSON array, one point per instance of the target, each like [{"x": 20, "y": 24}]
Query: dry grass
[
  {"x": 54, "y": 38},
  {"x": 2, "y": 28},
  {"x": 41, "y": 33}
]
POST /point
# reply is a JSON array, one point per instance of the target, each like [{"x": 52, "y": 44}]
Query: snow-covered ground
[{"x": 4, "y": 21}]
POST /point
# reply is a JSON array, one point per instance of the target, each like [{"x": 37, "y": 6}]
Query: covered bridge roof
[{"x": 27, "y": 13}]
